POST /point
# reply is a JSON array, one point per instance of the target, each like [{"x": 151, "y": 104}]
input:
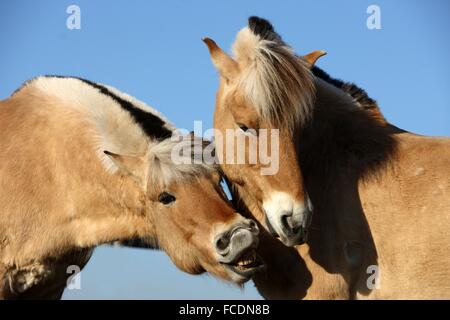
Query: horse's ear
[
  {"x": 134, "y": 166},
  {"x": 227, "y": 67},
  {"x": 312, "y": 57}
]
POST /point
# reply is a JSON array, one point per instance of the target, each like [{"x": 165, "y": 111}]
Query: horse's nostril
[
  {"x": 285, "y": 222},
  {"x": 253, "y": 226},
  {"x": 289, "y": 224},
  {"x": 222, "y": 243}
]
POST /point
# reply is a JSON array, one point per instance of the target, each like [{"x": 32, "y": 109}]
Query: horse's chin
[{"x": 292, "y": 242}]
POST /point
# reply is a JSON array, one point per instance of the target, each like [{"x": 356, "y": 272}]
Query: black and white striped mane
[{"x": 123, "y": 125}]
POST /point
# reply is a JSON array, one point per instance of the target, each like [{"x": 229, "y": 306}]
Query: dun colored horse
[
  {"x": 83, "y": 164},
  {"x": 381, "y": 195}
]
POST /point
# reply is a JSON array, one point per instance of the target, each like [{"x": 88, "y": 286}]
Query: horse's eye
[
  {"x": 166, "y": 198},
  {"x": 243, "y": 127}
]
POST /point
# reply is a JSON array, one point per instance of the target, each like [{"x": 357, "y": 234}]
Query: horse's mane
[
  {"x": 278, "y": 84},
  {"x": 124, "y": 125},
  {"x": 359, "y": 95}
]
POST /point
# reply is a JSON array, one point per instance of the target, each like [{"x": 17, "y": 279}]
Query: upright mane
[
  {"x": 124, "y": 125},
  {"x": 278, "y": 85},
  {"x": 358, "y": 94}
]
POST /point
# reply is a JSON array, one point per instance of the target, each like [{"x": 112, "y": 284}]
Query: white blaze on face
[{"x": 279, "y": 204}]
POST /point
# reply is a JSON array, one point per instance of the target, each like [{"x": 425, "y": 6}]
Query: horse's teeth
[
  {"x": 244, "y": 262},
  {"x": 247, "y": 259}
]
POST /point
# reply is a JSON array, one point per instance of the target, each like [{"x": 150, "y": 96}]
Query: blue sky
[{"x": 153, "y": 51}]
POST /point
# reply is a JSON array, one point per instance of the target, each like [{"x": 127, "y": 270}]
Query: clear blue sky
[{"x": 153, "y": 51}]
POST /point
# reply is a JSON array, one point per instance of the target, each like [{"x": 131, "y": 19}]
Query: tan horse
[
  {"x": 83, "y": 164},
  {"x": 381, "y": 195}
]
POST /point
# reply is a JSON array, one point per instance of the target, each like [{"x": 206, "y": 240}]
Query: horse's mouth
[{"x": 247, "y": 264}]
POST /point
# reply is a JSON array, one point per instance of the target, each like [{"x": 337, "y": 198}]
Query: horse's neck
[
  {"x": 117, "y": 208},
  {"x": 343, "y": 143},
  {"x": 83, "y": 206},
  {"x": 343, "y": 146}
]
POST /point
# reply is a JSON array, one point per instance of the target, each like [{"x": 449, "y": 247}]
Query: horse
[
  {"x": 83, "y": 164},
  {"x": 380, "y": 194}
]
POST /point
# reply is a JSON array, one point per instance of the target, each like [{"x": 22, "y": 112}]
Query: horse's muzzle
[
  {"x": 237, "y": 249},
  {"x": 292, "y": 228}
]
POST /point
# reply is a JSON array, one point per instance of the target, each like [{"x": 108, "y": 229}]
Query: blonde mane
[
  {"x": 189, "y": 165},
  {"x": 278, "y": 84}
]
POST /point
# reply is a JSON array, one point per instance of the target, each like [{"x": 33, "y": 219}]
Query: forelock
[
  {"x": 273, "y": 79},
  {"x": 189, "y": 165}
]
